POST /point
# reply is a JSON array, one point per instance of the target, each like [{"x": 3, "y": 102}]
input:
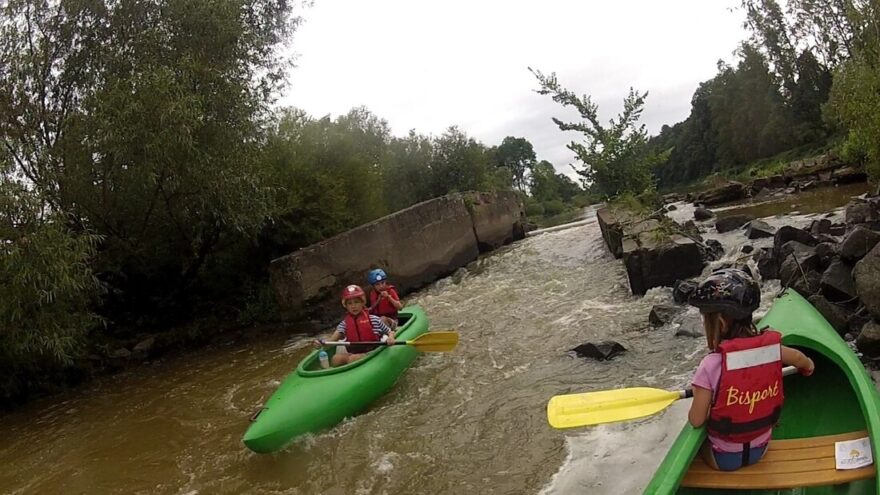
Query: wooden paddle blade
[
  {"x": 435, "y": 341},
  {"x": 607, "y": 406}
]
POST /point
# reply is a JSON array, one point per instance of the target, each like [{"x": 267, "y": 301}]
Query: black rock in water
[{"x": 606, "y": 349}]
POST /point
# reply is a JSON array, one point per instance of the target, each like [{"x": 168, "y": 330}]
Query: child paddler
[{"x": 357, "y": 326}]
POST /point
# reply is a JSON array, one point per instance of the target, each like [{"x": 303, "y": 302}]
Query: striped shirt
[{"x": 379, "y": 327}]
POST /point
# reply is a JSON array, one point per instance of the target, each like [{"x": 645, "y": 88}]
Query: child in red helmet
[
  {"x": 737, "y": 388},
  {"x": 357, "y": 326}
]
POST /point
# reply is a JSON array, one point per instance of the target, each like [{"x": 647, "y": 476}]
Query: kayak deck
[{"x": 787, "y": 464}]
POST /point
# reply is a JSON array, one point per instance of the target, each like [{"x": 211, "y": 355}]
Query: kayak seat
[{"x": 798, "y": 462}]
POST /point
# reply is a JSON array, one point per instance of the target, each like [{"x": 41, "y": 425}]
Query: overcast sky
[{"x": 427, "y": 65}]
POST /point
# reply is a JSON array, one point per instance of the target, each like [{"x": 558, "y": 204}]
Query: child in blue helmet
[{"x": 384, "y": 301}]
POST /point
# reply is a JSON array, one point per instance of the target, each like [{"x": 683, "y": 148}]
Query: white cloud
[{"x": 428, "y": 65}]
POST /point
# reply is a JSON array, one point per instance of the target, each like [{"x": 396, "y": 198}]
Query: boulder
[
  {"x": 758, "y": 229},
  {"x": 144, "y": 348},
  {"x": 732, "y": 222},
  {"x": 821, "y": 226},
  {"x": 612, "y": 231},
  {"x": 788, "y": 233},
  {"x": 838, "y": 316},
  {"x": 860, "y": 211},
  {"x": 690, "y": 327},
  {"x": 858, "y": 243},
  {"x": 837, "y": 282},
  {"x": 712, "y": 250},
  {"x": 746, "y": 249},
  {"x": 661, "y": 264},
  {"x": 662, "y": 314},
  {"x": 807, "y": 285},
  {"x": 498, "y": 218},
  {"x": 601, "y": 351},
  {"x": 848, "y": 175},
  {"x": 723, "y": 194},
  {"x": 867, "y": 278},
  {"x": 682, "y": 290},
  {"x": 868, "y": 340},
  {"x": 701, "y": 214},
  {"x": 768, "y": 265},
  {"x": 837, "y": 229}
]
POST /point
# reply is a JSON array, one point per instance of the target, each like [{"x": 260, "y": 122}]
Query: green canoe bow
[
  {"x": 839, "y": 398},
  {"x": 312, "y": 399}
]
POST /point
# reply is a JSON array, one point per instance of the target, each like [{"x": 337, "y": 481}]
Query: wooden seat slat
[{"x": 797, "y": 462}]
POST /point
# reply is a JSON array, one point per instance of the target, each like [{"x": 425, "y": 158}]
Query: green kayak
[
  {"x": 837, "y": 403},
  {"x": 312, "y": 399}
]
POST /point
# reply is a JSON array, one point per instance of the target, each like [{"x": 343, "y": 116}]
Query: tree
[
  {"x": 141, "y": 121},
  {"x": 458, "y": 164},
  {"x": 518, "y": 156},
  {"x": 48, "y": 288},
  {"x": 616, "y": 158}
]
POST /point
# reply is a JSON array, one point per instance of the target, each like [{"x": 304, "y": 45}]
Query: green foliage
[
  {"x": 47, "y": 287},
  {"x": 141, "y": 121},
  {"x": 553, "y": 207},
  {"x": 517, "y": 156},
  {"x": 616, "y": 159},
  {"x": 855, "y": 103},
  {"x": 534, "y": 208}
]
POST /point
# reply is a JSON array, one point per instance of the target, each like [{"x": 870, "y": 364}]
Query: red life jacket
[
  {"x": 749, "y": 396},
  {"x": 384, "y": 306},
  {"x": 359, "y": 329}
]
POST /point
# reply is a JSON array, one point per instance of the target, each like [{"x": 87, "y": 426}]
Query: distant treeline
[
  {"x": 807, "y": 79},
  {"x": 146, "y": 178}
]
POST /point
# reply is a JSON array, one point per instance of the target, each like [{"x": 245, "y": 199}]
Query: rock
[
  {"x": 788, "y": 233},
  {"x": 856, "y": 322},
  {"x": 671, "y": 207},
  {"x": 868, "y": 340},
  {"x": 809, "y": 285},
  {"x": 806, "y": 255},
  {"x": 838, "y": 316},
  {"x": 867, "y": 278},
  {"x": 837, "y": 229},
  {"x": 661, "y": 266},
  {"x": 701, "y": 214},
  {"x": 826, "y": 251},
  {"x": 690, "y": 327},
  {"x": 758, "y": 229},
  {"x": 837, "y": 282},
  {"x": 713, "y": 250},
  {"x": 732, "y": 222},
  {"x": 121, "y": 353},
  {"x": 606, "y": 349},
  {"x": 612, "y": 231},
  {"x": 857, "y": 244},
  {"x": 143, "y": 348},
  {"x": 746, "y": 248},
  {"x": 662, "y": 314},
  {"x": 768, "y": 266},
  {"x": 682, "y": 290},
  {"x": 848, "y": 175},
  {"x": 860, "y": 211},
  {"x": 723, "y": 194},
  {"x": 821, "y": 226}
]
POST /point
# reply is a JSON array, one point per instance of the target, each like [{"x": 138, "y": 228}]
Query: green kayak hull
[
  {"x": 312, "y": 399},
  {"x": 838, "y": 398}
]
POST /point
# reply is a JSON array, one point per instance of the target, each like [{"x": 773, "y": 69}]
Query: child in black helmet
[{"x": 738, "y": 386}]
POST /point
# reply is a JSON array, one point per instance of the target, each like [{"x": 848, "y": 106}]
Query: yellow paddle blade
[
  {"x": 435, "y": 341},
  {"x": 607, "y": 406}
]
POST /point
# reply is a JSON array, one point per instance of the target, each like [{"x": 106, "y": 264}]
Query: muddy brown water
[{"x": 470, "y": 421}]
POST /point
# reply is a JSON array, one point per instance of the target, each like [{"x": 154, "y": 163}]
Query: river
[{"x": 469, "y": 421}]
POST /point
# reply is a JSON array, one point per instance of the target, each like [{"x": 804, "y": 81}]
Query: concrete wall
[{"x": 415, "y": 246}]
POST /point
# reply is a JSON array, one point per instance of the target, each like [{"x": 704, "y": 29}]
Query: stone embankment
[
  {"x": 654, "y": 254},
  {"x": 803, "y": 175},
  {"x": 415, "y": 246}
]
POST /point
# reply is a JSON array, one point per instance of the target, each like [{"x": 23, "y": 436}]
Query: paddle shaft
[
  {"x": 345, "y": 342},
  {"x": 689, "y": 392}
]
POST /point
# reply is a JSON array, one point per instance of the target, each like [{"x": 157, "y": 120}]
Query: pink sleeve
[{"x": 708, "y": 372}]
